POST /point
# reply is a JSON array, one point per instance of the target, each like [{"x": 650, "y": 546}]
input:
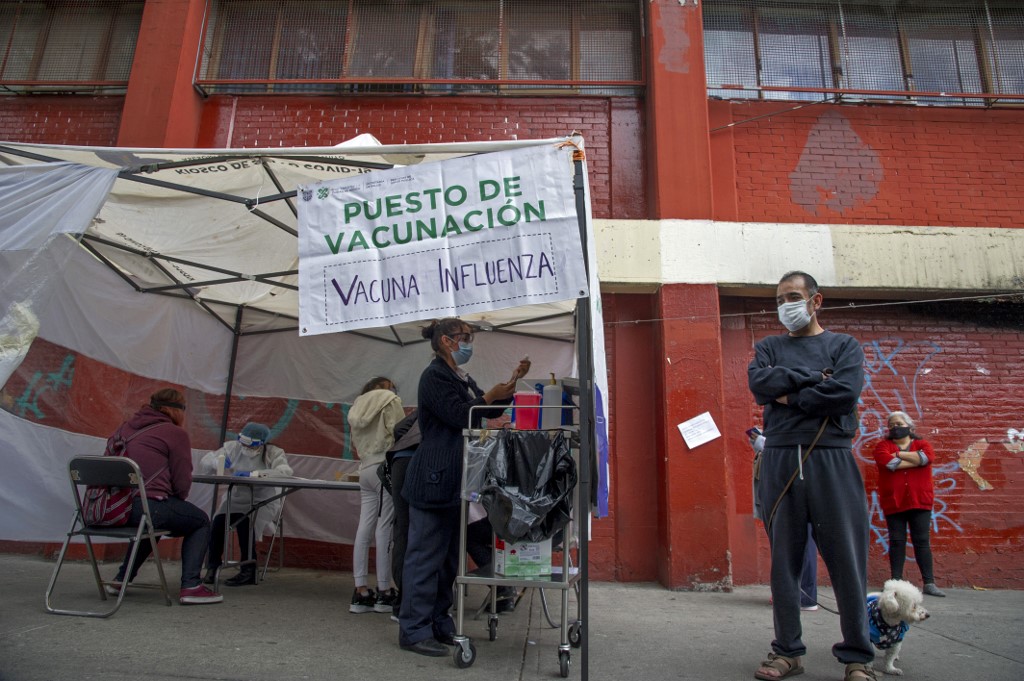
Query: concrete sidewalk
[{"x": 296, "y": 625}]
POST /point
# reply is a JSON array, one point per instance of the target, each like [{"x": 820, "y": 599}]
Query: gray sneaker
[{"x": 931, "y": 590}]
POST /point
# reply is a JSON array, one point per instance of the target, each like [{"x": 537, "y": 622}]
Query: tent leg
[
  {"x": 231, "y": 374},
  {"x": 584, "y": 349}
]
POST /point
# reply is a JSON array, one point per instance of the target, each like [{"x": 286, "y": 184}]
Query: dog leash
[{"x": 792, "y": 478}]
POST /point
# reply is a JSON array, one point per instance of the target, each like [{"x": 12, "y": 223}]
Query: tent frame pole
[
  {"x": 231, "y": 374},
  {"x": 584, "y": 350}
]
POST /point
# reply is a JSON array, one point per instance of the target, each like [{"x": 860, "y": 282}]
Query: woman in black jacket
[{"x": 433, "y": 482}]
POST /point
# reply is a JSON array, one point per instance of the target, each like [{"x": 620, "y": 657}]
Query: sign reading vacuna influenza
[{"x": 466, "y": 235}]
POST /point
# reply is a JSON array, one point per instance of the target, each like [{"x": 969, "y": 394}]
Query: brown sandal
[
  {"x": 858, "y": 671},
  {"x": 784, "y": 666}
]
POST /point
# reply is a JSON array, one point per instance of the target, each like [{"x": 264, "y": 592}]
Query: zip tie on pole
[{"x": 578, "y": 155}]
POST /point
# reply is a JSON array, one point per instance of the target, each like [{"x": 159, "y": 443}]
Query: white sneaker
[{"x": 808, "y": 608}]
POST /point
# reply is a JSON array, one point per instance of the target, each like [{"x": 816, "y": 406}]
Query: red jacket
[
  {"x": 908, "y": 488},
  {"x": 164, "y": 451}
]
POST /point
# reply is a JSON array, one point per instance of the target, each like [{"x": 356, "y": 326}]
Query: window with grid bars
[
  {"x": 438, "y": 46},
  {"x": 898, "y": 50},
  {"x": 67, "y": 46}
]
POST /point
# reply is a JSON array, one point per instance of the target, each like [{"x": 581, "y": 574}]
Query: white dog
[{"x": 890, "y": 614}]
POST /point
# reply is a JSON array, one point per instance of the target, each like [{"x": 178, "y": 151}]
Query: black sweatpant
[
  {"x": 920, "y": 522},
  {"x": 830, "y": 496},
  {"x": 400, "y": 535},
  {"x": 215, "y": 557}
]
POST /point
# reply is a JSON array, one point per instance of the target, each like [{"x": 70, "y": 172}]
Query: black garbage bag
[{"x": 530, "y": 479}]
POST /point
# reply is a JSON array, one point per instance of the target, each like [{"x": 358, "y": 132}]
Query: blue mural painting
[
  {"x": 39, "y": 384},
  {"x": 211, "y": 423}
]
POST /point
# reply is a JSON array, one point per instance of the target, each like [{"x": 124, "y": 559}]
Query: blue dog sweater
[{"x": 883, "y": 635}]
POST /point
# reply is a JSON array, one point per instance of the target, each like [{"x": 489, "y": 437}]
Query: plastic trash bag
[{"x": 529, "y": 482}]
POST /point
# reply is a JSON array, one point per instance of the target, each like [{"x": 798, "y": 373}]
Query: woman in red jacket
[{"x": 906, "y": 493}]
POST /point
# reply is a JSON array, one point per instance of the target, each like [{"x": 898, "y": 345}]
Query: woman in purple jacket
[{"x": 163, "y": 451}]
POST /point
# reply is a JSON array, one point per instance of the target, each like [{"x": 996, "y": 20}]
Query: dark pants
[
  {"x": 480, "y": 547},
  {"x": 809, "y": 572},
  {"x": 920, "y": 522},
  {"x": 245, "y": 540},
  {"x": 831, "y": 498},
  {"x": 428, "y": 578},
  {"x": 400, "y": 536},
  {"x": 478, "y": 542},
  {"x": 183, "y": 520}
]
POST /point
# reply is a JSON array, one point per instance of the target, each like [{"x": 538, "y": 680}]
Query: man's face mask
[{"x": 794, "y": 315}]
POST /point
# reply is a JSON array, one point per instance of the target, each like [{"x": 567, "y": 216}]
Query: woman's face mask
[
  {"x": 462, "y": 355},
  {"x": 794, "y": 316},
  {"x": 899, "y": 432}
]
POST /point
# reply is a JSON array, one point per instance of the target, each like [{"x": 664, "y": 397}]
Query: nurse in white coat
[{"x": 250, "y": 452}]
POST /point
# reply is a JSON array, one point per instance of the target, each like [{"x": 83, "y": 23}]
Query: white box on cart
[{"x": 524, "y": 559}]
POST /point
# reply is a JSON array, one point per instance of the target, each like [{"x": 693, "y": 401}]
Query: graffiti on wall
[
  {"x": 37, "y": 385},
  {"x": 971, "y": 458},
  {"x": 892, "y": 369},
  {"x": 289, "y": 416},
  {"x": 39, "y": 391}
]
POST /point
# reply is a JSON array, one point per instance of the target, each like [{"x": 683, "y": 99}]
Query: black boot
[{"x": 247, "y": 575}]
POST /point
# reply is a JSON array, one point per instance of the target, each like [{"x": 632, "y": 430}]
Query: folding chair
[
  {"x": 276, "y": 538},
  {"x": 110, "y": 471}
]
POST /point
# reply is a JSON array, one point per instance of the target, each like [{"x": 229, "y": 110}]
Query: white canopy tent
[{"x": 212, "y": 234}]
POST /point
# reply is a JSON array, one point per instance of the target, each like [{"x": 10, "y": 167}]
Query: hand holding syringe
[{"x": 522, "y": 369}]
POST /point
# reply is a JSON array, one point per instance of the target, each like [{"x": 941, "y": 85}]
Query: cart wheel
[
  {"x": 563, "y": 663},
  {"x": 465, "y": 659},
  {"x": 492, "y": 629},
  {"x": 576, "y": 634}
]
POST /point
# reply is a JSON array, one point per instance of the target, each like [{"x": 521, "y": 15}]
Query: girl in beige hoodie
[{"x": 372, "y": 418}]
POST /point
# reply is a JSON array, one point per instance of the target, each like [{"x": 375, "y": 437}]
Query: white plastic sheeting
[
  {"x": 17, "y": 331},
  {"x": 43, "y": 200},
  {"x": 37, "y": 491}
]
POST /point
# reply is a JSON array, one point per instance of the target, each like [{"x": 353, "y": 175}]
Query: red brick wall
[
  {"x": 615, "y": 164},
  {"x": 888, "y": 165},
  {"x": 90, "y": 121},
  {"x": 958, "y": 369}
]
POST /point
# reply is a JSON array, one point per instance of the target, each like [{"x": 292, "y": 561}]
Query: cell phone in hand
[{"x": 753, "y": 432}]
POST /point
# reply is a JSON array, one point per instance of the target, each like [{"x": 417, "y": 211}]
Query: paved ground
[{"x": 296, "y": 625}]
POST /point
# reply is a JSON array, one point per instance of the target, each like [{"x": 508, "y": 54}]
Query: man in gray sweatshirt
[{"x": 809, "y": 382}]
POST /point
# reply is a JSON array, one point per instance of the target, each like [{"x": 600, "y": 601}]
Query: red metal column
[
  {"x": 161, "y": 108},
  {"x": 694, "y": 496},
  {"x": 679, "y": 151}
]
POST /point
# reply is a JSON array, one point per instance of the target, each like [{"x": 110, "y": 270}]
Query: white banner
[{"x": 442, "y": 239}]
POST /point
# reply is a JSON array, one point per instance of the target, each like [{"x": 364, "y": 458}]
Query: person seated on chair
[
  {"x": 250, "y": 452},
  {"x": 164, "y": 456}
]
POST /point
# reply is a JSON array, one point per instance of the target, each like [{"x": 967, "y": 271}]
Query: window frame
[
  {"x": 424, "y": 77},
  {"x": 45, "y": 43},
  {"x": 835, "y": 14}
]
